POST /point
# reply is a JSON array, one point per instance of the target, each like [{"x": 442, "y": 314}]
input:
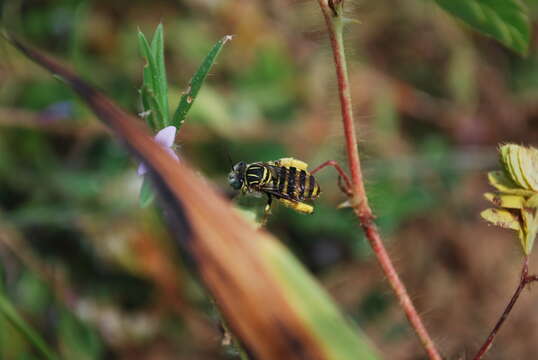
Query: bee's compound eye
[{"x": 239, "y": 166}]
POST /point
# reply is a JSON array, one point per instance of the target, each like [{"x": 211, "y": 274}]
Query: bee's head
[{"x": 235, "y": 177}]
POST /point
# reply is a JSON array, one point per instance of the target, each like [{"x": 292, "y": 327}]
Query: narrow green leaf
[
  {"x": 157, "y": 49},
  {"x": 505, "y": 20},
  {"x": 31, "y": 335},
  {"x": 146, "y": 193},
  {"x": 151, "y": 77},
  {"x": 152, "y": 112},
  {"x": 196, "y": 82}
]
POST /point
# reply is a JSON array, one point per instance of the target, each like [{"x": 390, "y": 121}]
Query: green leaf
[
  {"x": 339, "y": 338},
  {"x": 196, "y": 82},
  {"x": 157, "y": 49},
  {"x": 151, "y": 108},
  {"x": 9, "y": 311},
  {"x": 78, "y": 340},
  {"x": 151, "y": 80},
  {"x": 146, "y": 193},
  {"x": 505, "y": 20}
]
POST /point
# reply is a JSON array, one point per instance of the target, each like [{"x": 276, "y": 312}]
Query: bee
[{"x": 286, "y": 180}]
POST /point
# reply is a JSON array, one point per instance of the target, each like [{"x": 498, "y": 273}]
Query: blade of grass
[
  {"x": 157, "y": 49},
  {"x": 188, "y": 97},
  {"x": 150, "y": 104},
  {"x": 31, "y": 335},
  {"x": 151, "y": 80},
  {"x": 145, "y": 92}
]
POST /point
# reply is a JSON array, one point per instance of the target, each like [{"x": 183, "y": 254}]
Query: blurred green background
[{"x": 97, "y": 276}]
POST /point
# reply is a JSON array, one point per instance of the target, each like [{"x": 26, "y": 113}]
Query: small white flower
[{"x": 165, "y": 137}]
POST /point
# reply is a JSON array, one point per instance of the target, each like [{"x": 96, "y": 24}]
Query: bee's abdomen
[{"x": 297, "y": 184}]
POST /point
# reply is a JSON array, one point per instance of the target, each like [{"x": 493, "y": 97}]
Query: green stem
[{"x": 33, "y": 337}]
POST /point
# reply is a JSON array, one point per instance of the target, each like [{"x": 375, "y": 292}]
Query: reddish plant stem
[
  {"x": 332, "y": 11},
  {"x": 525, "y": 279}
]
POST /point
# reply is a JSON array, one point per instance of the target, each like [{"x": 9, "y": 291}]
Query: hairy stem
[
  {"x": 332, "y": 11},
  {"x": 524, "y": 280}
]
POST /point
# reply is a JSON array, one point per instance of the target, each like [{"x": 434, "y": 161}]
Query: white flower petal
[
  {"x": 142, "y": 169},
  {"x": 172, "y": 153},
  {"x": 166, "y": 136}
]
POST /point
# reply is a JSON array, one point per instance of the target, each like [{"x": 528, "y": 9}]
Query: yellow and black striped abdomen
[{"x": 297, "y": 184}]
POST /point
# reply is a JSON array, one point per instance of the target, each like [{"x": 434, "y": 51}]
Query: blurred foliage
[
  {"x": 94, "y": 274},
  {"x": 504, "y": 20}
]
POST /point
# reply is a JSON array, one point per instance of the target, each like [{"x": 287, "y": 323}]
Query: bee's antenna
[{"x": 230, "y": 160}]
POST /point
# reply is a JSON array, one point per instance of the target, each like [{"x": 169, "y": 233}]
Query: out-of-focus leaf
[
  {"x": 276, "y": 314},
  {"x": 77, "y": 340},
  {"x": 10, "y": 313},
  {"x": 188, "y": 97},
  {"x": 505, "y": 20},
  {"x": 327, "y": 327},
  {"x": 211, "y": 110},
  {"x": 146, "y": 193}
]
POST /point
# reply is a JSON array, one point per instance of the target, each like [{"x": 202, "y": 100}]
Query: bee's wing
[{"x": 272, "y": 191}]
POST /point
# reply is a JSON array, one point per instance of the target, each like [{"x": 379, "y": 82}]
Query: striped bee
[{"x": 287, "y": 180}]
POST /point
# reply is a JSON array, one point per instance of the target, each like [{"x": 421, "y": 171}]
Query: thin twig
[
  {"x": 332, "y": 11},
  {"x": 524, "y": 280}
]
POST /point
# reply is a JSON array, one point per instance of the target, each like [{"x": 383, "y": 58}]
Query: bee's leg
[
  {"x": 342, "y": 175},
  {"x": 267, "y": 209},
  {"x": 298, "y": 206},
  {"x": 344, "y": 188}
]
